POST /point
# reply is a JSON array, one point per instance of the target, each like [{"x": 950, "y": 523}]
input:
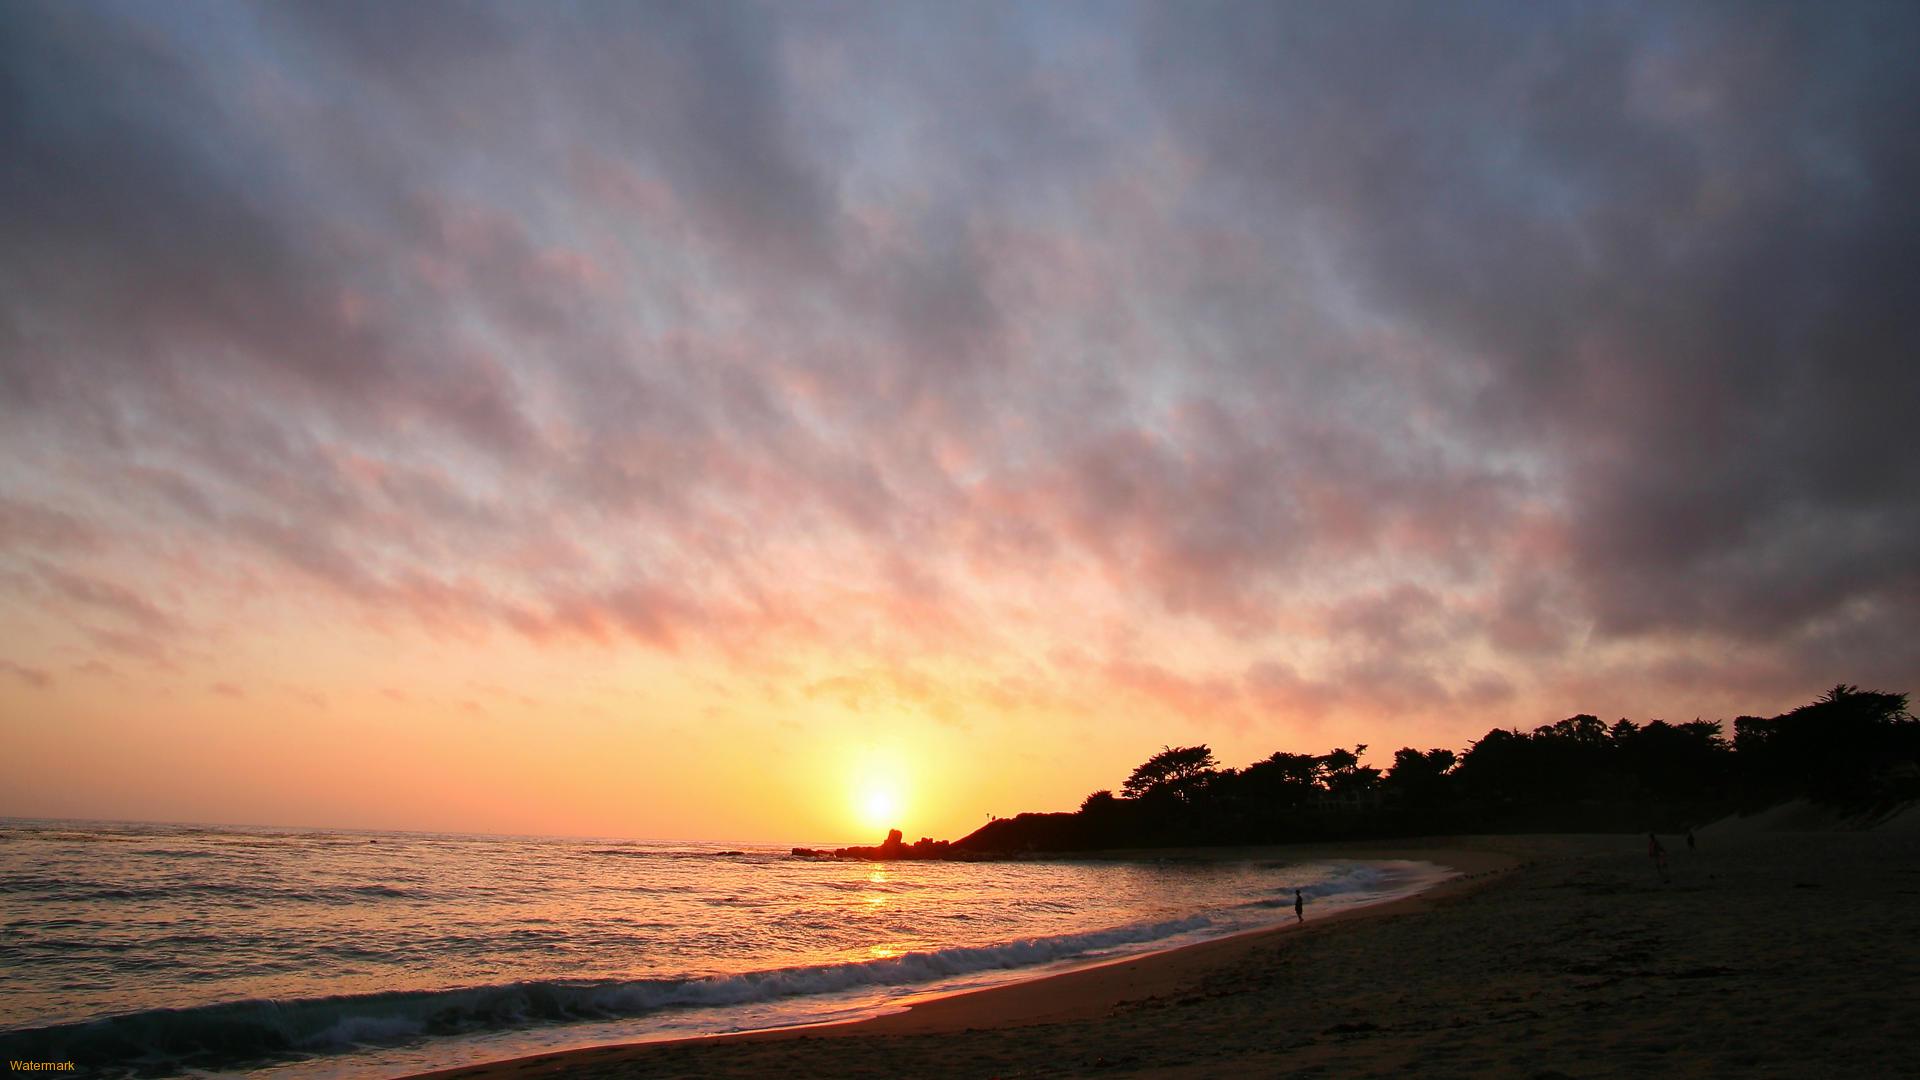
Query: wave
[
  {"x": 1357, "y": 882},
  {"x": 70, "y": 890},
  {"x": 636, "y": 852},
  {"x": 159, "y": 1042}
]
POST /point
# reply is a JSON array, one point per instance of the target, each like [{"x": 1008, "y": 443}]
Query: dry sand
[{"x": 1769, "y": 954}]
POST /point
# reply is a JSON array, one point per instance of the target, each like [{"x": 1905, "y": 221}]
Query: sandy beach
[{"x": 1778, "y": 954}]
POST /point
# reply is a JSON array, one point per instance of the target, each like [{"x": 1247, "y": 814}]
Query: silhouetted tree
[
  {"x": 1853, "y": 748},
  {"x": 1419, "y": 781},
  {"x": 1288, "y": 778},
  {"x": 1498, "y": 768},
  {"x": 1584, "y": 730},
  {"x": 1675, "y": 762},
  {"x": 1846, "y": 749},
  {"x": 1346, "y": 777},
  {"x": 1177, "y": 773}
]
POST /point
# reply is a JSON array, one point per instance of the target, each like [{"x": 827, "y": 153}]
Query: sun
[
  {"x": 879, "y": 789},
  {"x": 877, "y": 805}
]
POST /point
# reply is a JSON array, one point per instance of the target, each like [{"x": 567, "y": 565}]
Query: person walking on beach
[
  {"x": 1689, "y": 838},
  {"x": 1658, "y": 854},
  {"x": 1299, "y": 907}
]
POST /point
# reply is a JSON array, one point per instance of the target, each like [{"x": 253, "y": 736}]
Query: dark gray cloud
[{"x": 1670, "y": 247}]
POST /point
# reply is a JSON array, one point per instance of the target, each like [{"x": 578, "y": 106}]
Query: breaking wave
[{"x": 234, "y": 1034}]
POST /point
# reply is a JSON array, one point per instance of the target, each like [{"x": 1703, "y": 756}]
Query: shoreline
[
  {"x": 1768, "y": 953},
  {"x": 1077, "y": 994}
]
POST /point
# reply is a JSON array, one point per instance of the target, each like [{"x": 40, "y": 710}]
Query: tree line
[{"x": 1852, "y": 749}]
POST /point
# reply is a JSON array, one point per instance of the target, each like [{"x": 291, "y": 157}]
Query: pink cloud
[{"x": 37, "y": 678}]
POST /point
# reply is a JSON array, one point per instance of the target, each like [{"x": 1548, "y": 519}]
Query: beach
[
  {"x": 1768, "y": 953},
  {"x": 147, "y": 949}
]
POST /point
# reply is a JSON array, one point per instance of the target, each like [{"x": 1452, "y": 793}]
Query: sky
[{"x": 763, "y": 422}]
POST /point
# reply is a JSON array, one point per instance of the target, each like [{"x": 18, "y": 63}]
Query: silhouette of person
[
  {"x": 1658, "y": 854},
  {"x": 1689, "y": 838},
  {"x": 1299, "y": 907}
]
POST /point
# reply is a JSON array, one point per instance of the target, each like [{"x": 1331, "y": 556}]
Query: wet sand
[{"x": 1767, "y": 954}]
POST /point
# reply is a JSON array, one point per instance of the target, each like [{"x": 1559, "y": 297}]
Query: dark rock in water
[
  {"x": 894, "y": 847},
  {"x": 718, "y": 853}
]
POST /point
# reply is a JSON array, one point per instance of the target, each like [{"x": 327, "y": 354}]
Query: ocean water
[{"x": 155, "y": 950}]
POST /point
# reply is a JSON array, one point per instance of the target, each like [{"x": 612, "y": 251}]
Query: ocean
[{"x": 158, "y": 950}]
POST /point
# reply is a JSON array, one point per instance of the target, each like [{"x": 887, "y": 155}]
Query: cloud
[
  {"x": 26, "y": 525},
  {"x": 1660, "y": 242},
  {"x": 34, "y": 677},
  {"x": 107, "y": 596},
  {"x": 1268, "y": 360},
  {"x": 133, "y": 644}
]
